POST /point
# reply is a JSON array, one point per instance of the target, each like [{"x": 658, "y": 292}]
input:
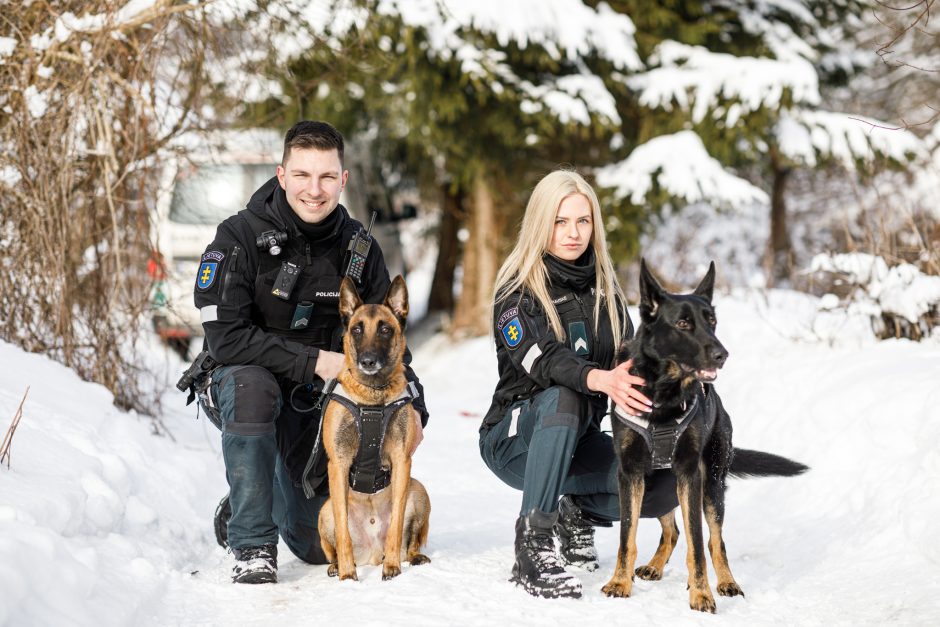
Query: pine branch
[{"x": 8, "y": 438}]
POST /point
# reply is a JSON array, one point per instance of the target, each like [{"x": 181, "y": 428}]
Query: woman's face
[{"x": 573, "y": 228}]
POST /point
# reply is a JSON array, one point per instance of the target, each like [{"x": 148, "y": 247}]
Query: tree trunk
[
  {"x": 480, "y": 263},
  {"x": 778, "y": 259},
  {"x": 441, "y": 299}
]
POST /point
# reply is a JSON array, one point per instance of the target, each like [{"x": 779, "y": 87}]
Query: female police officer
[{"x": 559, "y": 316}]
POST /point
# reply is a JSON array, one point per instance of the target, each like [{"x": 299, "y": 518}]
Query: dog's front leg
[
  {"x": 338, "y": 474},
  {"x": 689, "y": 490},
  {"x": 715, "y": 515},
  {"x": 401, "y": 475},
  {"x": 632, "y": 488}
]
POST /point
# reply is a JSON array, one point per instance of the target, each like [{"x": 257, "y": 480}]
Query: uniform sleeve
[
  {"x": 522, "y": 329},
  {"x": 374, "y": 288},
  {"x": 224, "y": 293}
]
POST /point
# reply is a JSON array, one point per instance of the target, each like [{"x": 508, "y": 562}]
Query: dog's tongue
[{"x": 707, "y": 375}]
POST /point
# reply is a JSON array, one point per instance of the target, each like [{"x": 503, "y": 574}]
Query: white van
[{"x": 213, "y": 179}]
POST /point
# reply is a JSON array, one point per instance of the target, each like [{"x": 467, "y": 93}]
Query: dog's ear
[
  {"x": 349, "y": 300},
  {"x": 706, "y": 288},
  {"x": 396, "y": 299},
  {"x": 651, "y": 293}
]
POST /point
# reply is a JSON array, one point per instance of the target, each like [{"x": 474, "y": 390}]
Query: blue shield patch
[
  {"x": 206, "y": 276},
  {"x": 512, "y": 332}
]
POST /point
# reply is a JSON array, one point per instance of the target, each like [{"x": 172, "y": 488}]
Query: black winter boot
[
  {"x": 575, "y": 531},
  {"x": 537, "y": 568},
  {"x": 223, "y": 512},
  {"x": 255, "y": 564}
]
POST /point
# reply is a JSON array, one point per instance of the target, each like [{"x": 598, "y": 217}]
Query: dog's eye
[
  {"x": 712, "y": 321},
  {"x": 356, "y": 330},
  {"x": 384, "y": 329},
  {"x": 683, "y": 324}
]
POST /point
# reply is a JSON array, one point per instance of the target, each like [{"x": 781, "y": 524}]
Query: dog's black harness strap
[
  {"x": 661, "y": 439},
  {"x": 367, "y": 475}
]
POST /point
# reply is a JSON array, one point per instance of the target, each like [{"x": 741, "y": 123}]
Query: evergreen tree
[{"x": 748, "y": 78}]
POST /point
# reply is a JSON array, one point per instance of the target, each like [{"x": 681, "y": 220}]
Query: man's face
[{"x": 312, "y": 180}]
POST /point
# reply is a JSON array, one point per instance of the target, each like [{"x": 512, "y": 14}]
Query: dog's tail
[{"x": 746, "y": 463}]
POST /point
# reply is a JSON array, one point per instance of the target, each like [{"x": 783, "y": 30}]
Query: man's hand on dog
[
  {"x": 329, "y": 364},
  {"x": 621, "y": 387}
]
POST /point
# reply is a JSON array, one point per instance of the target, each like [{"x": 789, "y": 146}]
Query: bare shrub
[{"x": 89, "y": 94}]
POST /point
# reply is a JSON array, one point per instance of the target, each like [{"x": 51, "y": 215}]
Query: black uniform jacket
[
  {"x": 531, "y": 359},
  {"x": 245, "y": 323}
]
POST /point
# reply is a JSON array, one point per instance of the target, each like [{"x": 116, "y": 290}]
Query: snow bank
[{"x": 101, "y": 523}]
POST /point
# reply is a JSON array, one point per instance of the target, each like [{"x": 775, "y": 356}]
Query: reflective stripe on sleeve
[
  {"x": 209, "y": 313},
  {"x": 534, "y": 353}
]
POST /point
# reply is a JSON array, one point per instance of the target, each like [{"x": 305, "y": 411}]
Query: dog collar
[
  {"x": 661, "y": 439},
  {"x": 371, "y": 387}
]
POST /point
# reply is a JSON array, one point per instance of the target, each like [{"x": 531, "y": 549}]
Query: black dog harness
[
  {"x": 661, "y": 439},
  {"x": 367, "y": 475}
]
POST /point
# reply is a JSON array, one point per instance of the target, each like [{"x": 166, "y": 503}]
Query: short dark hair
[{"x": 311, "y": 134}]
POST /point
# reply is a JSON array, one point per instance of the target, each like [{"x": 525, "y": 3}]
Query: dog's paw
[
  {"x": 730, "y": 589},
  {"x": 701, "y": 601},
  {"x": 349, "y": 575},
  {"x": 332, "y": 570},
  {"x": 390, "y": 572},
  {"x": 649, "y": 573},
  {"x": 618, "y": 589},
  {"x": 419, "y": 559}
]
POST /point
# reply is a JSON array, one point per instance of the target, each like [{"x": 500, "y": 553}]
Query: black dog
[{"x": 676, "y": 351}]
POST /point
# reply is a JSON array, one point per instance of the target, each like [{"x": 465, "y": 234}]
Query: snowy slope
[{"x": 102, "y": 523}]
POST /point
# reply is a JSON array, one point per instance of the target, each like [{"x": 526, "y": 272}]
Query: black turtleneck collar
[
  {"x": 579, "y": 274},
  {"x": 313, "y": 233}
]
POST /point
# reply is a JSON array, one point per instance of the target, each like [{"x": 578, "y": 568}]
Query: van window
[{"x": 207, "y": 194}]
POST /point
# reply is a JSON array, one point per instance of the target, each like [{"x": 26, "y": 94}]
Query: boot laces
[
  {"x": 542, "y": 546},
  {"x": 576, "y": 535}
]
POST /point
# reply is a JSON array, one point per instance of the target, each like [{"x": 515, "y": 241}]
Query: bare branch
[{"x": 8, "y": 438}]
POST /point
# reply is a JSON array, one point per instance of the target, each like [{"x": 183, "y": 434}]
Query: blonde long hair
[{"x": 525, "y": 268}]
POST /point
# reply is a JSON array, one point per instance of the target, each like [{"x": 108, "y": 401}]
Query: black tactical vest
[{"x": 310, "y": 313}]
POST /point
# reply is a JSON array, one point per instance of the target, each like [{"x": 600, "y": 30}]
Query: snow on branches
[{"x": 680, "y": 165}]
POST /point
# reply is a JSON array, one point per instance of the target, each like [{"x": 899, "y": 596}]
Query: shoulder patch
[
  {"x": 209, "y": 269},
  {"x": 512, "y": 332},
  {"x": 506, "y": 316}
]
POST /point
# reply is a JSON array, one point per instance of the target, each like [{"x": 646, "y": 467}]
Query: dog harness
[
  {"x": 367, "y": 475},
  {"x": 661, "y": 439}
]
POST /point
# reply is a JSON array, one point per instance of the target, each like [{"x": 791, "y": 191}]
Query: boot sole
[
  {"x": 561, "y": 592},
  {"x": 257, "y": 578}
]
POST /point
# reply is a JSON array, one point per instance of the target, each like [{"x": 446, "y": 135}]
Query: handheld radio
[{"x": 358, "y": 249}]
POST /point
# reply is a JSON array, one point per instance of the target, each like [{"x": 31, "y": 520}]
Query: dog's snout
[
  {"x": 370, "y": 362},
  {"x": 719, "y": 355}
]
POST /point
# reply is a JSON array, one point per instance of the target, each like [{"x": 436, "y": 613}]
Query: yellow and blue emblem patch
[
  {"x": 208, "y": 269},
  {"x": 511, "y": 327}
]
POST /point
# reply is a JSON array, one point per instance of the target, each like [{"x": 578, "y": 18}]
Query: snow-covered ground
[{"x": 102, "y": 523}]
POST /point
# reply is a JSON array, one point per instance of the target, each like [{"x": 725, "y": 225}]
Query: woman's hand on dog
[{"x": 621, "y": 387}]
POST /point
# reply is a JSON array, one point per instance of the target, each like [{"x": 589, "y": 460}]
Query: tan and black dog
[
  {"x": 676, "y": 351},
  {"x": 391, "y": 524}
]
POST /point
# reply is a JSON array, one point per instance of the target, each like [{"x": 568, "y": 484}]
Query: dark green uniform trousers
[{"x": 550, "y": 445}]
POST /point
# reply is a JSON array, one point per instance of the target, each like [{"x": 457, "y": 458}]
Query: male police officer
[{"x": 268, "y": 291}]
